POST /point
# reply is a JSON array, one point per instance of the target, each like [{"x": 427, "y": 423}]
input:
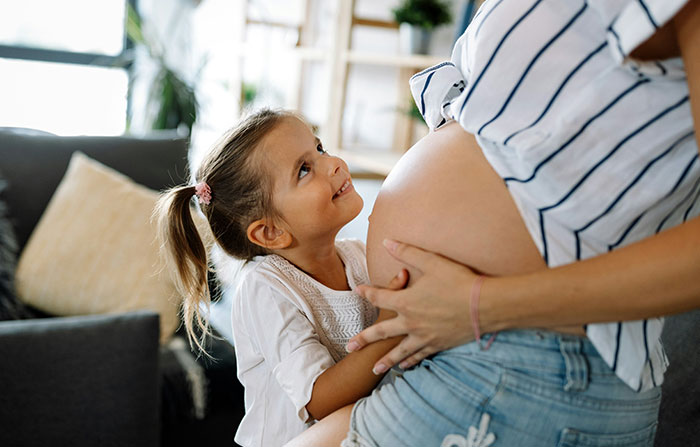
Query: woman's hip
[{"x": 531, "y": 388}]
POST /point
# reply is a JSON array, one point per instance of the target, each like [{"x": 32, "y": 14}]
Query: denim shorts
[{"x": 530, "y": 389}]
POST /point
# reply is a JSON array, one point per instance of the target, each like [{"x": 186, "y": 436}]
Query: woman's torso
[
  {"x": 444, "y": 197},
  {"x": 597, "y": 150}
]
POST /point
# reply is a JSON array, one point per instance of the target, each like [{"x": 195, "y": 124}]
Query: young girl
[{"x": 274, "y": 198}]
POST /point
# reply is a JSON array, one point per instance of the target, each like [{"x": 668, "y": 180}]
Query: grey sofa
[
  {"x": 100, "y": 385},
  {"x": 80, "y": 381},
  {"x": 87, "y": 381},
  {"x": 679, "y": 416}
]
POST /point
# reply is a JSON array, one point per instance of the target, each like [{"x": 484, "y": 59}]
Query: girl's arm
[
  {"x": 351, "y": 378},
  {"x": 657, "y": 276}
]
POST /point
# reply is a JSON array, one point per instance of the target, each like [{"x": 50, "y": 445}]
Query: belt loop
[{"x": 576, "y": 364}]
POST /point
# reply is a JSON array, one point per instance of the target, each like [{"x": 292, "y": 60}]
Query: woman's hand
[{"x": 433, "y": 312}]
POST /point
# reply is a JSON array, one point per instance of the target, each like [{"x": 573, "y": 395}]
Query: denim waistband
[
  {"x": 572, "y": 355},
  {"x": 543, "y": 339}
]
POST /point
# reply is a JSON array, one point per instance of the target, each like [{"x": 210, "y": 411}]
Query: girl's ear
[{"x": 267, "y": 235}]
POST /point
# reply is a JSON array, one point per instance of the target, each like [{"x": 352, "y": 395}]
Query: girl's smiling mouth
[{"x": 347, "y": 186}]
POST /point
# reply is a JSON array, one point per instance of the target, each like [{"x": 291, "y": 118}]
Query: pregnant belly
[{"x": 443, "y": 196}]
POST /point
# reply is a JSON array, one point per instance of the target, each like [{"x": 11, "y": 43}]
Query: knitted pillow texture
[{"x": 94, "y": 250}]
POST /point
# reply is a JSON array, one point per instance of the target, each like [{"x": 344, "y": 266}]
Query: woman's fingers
[
  {"x": 399, "y": 281},
  {"x": 378, "y": 331},
  {"x": 408, "y": 346},
  {"x": 413, "y": 256},
  {"x": 383, "y": 298},
  {"x": 417, "y": 357}
]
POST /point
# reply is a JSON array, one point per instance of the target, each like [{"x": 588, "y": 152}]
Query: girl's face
[{"x": 312, "y": 190}]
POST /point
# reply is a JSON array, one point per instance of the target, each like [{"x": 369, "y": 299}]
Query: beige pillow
[{"x": 94, "y": 249}]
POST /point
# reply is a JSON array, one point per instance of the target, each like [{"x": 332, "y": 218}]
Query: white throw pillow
[{"x": 94, "y": 250}]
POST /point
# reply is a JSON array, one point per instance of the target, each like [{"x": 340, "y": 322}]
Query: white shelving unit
[{"x": 339, "y": 57}]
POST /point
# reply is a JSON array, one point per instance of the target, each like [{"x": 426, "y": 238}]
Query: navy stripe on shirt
[
  {"x": 679, "y": 205},
  {"x": 478, "y": 29},
  {"x": 624, "y": 192},
  {"x": 661, "y": 67},
  {"x": 532, "y": 63},
  {"x": 634, "y": 222},
  {"x": 558, "y": 91},
  {"x": 578, "y": 133},
  {"x": 646, "y": 9},
  {"x": 495, "y": 52},
  {"x": 692, "y": 204},
  {"x": 422, "y": 94},
  {"x": 429, "y": 70},
  {"x": 617, "y": 39},
  {"x": 600, "y": 163},
  {"x": 617, "y": 345}
]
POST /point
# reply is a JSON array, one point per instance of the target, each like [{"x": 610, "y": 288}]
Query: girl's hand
[{"x": 433, "y": 312}]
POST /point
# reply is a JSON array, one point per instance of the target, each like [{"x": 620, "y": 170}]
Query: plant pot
[{"x": 414, "y": 39}]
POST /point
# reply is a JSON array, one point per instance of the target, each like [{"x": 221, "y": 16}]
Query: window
[{"x": 64, "y": 66}]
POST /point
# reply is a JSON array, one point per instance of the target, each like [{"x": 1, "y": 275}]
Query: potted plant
[
  {"x": 417, "y": 19},
  {"x": 172, "y": 102}
]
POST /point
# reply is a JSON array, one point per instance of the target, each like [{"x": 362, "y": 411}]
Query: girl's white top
[
  {"x": 288, "y": 329},
  {"x": 596, "y": 148}
]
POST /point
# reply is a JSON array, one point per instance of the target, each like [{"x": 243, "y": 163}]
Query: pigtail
[
  {"x": 185, "y": 255},
  {"x": 242, "y": 193}
]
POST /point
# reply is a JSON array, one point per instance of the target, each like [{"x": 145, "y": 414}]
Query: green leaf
[{"x": 427, "y": 14}]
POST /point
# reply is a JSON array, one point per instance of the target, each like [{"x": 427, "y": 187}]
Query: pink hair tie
[
  {"x": 203, "y": 192},
  {"x": 474, "y": 312}
]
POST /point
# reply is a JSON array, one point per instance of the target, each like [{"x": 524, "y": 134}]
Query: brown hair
[{"x": 240, "y": 194}]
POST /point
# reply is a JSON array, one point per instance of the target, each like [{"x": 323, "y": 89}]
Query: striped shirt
[{"x": 597, "y": 149}]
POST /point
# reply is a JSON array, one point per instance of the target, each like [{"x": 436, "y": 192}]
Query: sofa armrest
[
  {"x": 80, "y": 381},
  {"x": 679, "y": 415}
]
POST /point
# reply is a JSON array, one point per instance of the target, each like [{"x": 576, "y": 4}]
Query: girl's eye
[
  {"x": 320, "y": 149},
  {"x": 303, "y": 170}
]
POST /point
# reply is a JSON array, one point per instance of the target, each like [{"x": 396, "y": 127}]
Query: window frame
[{"x": 124, "y": 60}]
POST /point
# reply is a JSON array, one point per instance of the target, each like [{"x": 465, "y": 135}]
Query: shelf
[
  {"x": 418, "y": 61},
  {"x": 338, "y": 58},
  {"x": 312, "y": 54},
  {"x": 376, "y": 23}
]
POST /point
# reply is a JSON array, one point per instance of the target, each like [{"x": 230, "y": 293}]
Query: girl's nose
[{"x": 334, "y": 166}]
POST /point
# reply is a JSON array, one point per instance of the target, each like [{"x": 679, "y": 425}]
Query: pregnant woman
[{"x": 584, "y": 151}]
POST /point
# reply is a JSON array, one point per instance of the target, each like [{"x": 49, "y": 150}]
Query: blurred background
[
  {"x": 194, "y": 67},
  {"x": 151, "y": 84}
]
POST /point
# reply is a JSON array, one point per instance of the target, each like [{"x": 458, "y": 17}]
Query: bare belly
[{"x": 443, "y": 196}]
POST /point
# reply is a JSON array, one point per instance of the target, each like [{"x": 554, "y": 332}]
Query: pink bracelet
[{"x": 474, "y": 312}]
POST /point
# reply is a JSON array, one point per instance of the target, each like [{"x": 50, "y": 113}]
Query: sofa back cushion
[
  {"x": 95, "y": 249},
  {"x": 33, "y": 166}
]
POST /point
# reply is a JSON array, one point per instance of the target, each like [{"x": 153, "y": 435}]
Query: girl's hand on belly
[{"x": 433, "y": 311}]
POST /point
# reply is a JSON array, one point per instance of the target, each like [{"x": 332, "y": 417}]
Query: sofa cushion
[
  {"x": 80, "y": 381},
  {"x": 34, "y": 164},
  {"x": 94, "y": 250}
]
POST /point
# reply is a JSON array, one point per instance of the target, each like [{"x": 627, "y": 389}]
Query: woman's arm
[
  {"x": 351, "y": 378},
  {"x": 656, "y": 276}
]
